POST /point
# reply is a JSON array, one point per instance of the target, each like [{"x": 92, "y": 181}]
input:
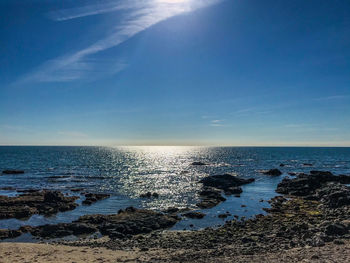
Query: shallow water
[{"x": 126, "y": 172}]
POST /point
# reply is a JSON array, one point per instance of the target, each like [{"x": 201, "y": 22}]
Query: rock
[
  {"x": 338, "y": 242},
  {"x": 77, "y": 189},
  {"x": 13, "y": 172},
  {"x": 307, "y": 164},
  {"x": 304, "y": 184},
  {"x": 82, "y": 229},
  {"x": 210, "y": 197},
  {"x": 149, "y": 195},
  {"x": 333, "y": 195},
  {"x": 198, "y": 163},
  {"x": 128, "y": 222},
  {"x": 336, "y": 229},
  {"x": 273, "y": 172},
  {"x": 6, "y": 233},
  {"x": 194, "y": 215},
  {"x": 282, "y": 165},
  {"x": 172, "y": 210},
  {"x": 233, "y": 191},
  {"x": 215, "y": 184},
  {"x": 223, "y": 215},
  {"x": 225, "y": 181},
  {"x": 92, "y": 198},
  {"x": 37, "y": 202}
]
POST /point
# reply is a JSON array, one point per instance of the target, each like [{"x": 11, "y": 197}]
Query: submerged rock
[
  {"x": 198, "y": 163},
  {"x": 37, "y": 202},
  {"x": 149, "y": 195},
  {"x": 273, "y": 172},
  {"x": 13, "y": 172}
]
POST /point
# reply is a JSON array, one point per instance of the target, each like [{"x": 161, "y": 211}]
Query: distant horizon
[{"x": 116, "y": 146}]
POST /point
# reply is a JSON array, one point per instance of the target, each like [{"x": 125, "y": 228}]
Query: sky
[{"x": 175, "y": 72}]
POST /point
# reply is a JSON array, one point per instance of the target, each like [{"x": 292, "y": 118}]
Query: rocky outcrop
[
  {"x": 37, "y": 202},
  {"x": 214, "y": 185},
  {"x": 126, "y": 223},
  {"x": 194, "y": 215},
  {"x": 305, "y": 184},
  {"x": 225, "y": 181}
]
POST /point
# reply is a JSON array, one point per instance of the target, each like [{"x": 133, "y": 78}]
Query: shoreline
[{"x": 312, "y": 213}]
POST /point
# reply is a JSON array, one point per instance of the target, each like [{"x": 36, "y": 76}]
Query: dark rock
[
  {"x": 307, "y": 164},
  {"x": 282, "y": 165},
  {"x": 13, "y": 172},
  {"x": 6, "y": 233},
  {"x": 77, "y": 189},
  {"x": 338, "y": 242},
  {"x": 198, "y": 163},
  {"x": 8, "y": 188},
  {"x": 273, "y": 172},
  {"x": 233, "y": 191},
  {"x": 304, "y": 184},
  {"x": 194, "y": 215},
  {"x": 215, "y": 184},
  {"x": 172, "y": 210},
  {"x": 37, "y": 202},
  {"x": 92, "y": 198},
  {"x": 225, "y": 181},
  {"x": 223, "y": 215},
  {"x": 149, "y": 195},
  {"x": 336, "y": 229},
  {"x": 128, "y": 222}
]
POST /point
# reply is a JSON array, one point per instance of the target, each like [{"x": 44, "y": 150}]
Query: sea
[{"x": 128, "y": 172}]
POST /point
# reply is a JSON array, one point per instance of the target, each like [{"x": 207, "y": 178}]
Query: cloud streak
[{"x": 138, "y": 16}]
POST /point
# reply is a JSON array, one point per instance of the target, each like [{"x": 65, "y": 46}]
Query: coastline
[
  {"x": 308, "y": 220},
  {"x": 31, "y": 253}
]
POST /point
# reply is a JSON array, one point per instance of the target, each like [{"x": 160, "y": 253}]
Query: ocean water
[{"x": 127, "y": 172}]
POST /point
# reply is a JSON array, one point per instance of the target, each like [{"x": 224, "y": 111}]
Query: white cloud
[{"x": 138, "y": 16}]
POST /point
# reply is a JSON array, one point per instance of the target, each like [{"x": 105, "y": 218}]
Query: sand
[{"x": 30, "y": 253}]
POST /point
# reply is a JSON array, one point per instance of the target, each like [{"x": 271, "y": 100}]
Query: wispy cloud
[
  {"x": 217, "y": 123},
  {"x": 335, "y": 97},
  {"x": 75, "y": 134},
  {"x": 137, "y": 17}
]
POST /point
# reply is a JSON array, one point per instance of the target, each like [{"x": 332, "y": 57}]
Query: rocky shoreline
[{"x": 312, "y": 211}]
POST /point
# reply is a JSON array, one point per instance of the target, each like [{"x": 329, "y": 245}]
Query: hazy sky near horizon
[{"x": 175, "y": 72}]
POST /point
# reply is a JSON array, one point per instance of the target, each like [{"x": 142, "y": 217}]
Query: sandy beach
[{"x": 33, "y": 253}]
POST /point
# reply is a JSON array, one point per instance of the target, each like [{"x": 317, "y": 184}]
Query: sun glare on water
[{"x": 173, "y": 1}]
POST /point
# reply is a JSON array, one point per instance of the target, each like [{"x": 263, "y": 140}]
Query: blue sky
[{"x": 174, "y": 72}]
